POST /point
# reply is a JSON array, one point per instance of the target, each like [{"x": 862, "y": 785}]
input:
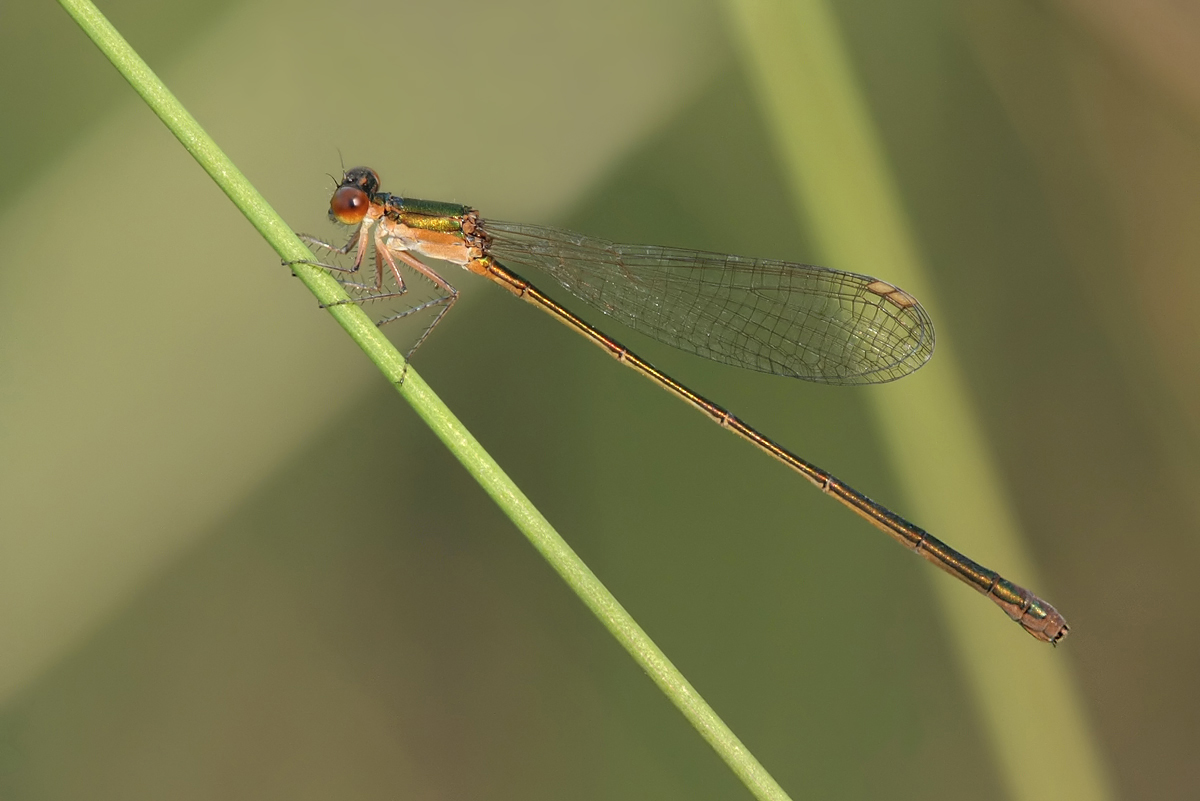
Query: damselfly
[{"x": 776, "y": 317}]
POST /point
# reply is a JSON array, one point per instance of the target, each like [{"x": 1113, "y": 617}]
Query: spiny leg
[
  {"x": 389, "y": 255},
  {"x": 377, "y": 288},
  {"x": 356, "y": 242},
  {"x": 447, "y": 300}
]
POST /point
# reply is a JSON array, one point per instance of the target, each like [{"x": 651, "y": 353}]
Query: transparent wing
[{"x": 772, "y": 316}]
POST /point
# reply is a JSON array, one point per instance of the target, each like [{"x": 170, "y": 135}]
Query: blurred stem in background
[{"x": 837, "y": 170}]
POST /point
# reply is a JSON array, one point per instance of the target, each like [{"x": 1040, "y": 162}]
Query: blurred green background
[{"x": 182, "y": 612}]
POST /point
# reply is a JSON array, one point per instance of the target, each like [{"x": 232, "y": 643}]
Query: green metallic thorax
[{"x": 429, "y": 215}]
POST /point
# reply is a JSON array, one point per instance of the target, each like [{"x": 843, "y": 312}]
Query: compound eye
[{"x": 349, "y": 205}]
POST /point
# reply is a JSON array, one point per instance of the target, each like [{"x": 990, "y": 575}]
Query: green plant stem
[{"x": 430, "y": 408}]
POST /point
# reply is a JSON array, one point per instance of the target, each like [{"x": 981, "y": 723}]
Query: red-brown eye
[{"x": 349, "y": 205}]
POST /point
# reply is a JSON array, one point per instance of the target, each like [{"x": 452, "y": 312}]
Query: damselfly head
[{"x": 352, "y": 198}]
